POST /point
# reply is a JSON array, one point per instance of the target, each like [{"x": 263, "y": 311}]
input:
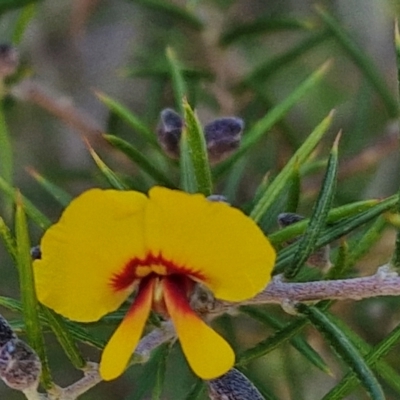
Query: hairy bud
[
  {"x": 223, "y": 137},
  {"x": 20, "y": 367},
  {"x": 233, "y": 386},
  {"x": 36, "y": 253},
  {"x": 6, "y": 332},
  {"x": 169, "y": 131},
  {"x": 286, "y": 219}
]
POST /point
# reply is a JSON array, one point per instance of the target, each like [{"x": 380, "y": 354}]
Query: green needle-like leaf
[
  {"x": 28, "y": 292},
  {"x": 188, "y": 177},
  {"x": 318, "y": 220},
  {"x": 297, "y": 342},
  {"x": 344, "y": 348},
  {"x": 197, "y": 150},
  {"x": 108, "y": 173},
  {"x": 167, "y": 9},
  {"x": 362, "y": 61},
  {"x": 27, "y": 13},
  {"x": 178, "y": 82},
  {"x": 294, "y": 190},
  {"x": 341, "y": 265},
  {"x": 275, "y": 188},
  {"x": 160, "y": 372},
  {"x": 277, "y": 63},
  {"x": 262, "y": 25},
  {"x": 64, "y": 337},
  {"x": 271, "y": 343},
  {"x": 140, "y": 159},
  {"x": 39, "y": 218},
  {"x": 6, "y": 156},
  {"x": 334, "y": 215},
  {"x": 277, "y": 113},
  {"x": 285, "y": 257},
  {"x": 197, "y": 391},
  {"x": 7, "y": 5},
  {"x": 8, "y": 239},
  {"x": 131, "y": 119},
  {"x": 282, "y": 336},
  {"x": 364, "y": 244},
  {"x": 373, "y": 357},
  {"x": 148, "y": 379},
  {"x": 55, "y": 191}
]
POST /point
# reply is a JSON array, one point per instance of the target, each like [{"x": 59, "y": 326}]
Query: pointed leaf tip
[{"x": 336, "y": 142}]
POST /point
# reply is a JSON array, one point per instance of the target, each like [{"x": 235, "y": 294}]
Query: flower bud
[
  {"x": 36, "y": 253},
  {"x": 9, "y": 60},
  {"x": 6, "y": 333},
  {"x": 286, "y": 219},
  {"x": 223, "y": 137},
  {"x": 20, "y": 367},
  {"x": 169, "y": 131},
  {"x": 233, "y": 386}
]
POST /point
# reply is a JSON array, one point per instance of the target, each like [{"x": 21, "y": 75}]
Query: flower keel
[
  {"x": 207, "y": 353},
  {"x": 123, "y": 342}
]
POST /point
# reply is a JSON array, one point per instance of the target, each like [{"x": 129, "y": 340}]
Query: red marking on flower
[
  {"x": 175, "y": 285},
  {"x": 128, "y": 275},
  {"x": 140, "y": 299}
]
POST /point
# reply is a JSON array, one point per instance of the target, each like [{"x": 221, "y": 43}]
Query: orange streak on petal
[
  {"x": 207, "y": 353},
  {"x": 123, "y": 342}
]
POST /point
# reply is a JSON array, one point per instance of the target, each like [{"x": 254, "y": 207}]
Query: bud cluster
[
  {"x": 20, "y": 367},
  {"x": 222, "y": 136}
]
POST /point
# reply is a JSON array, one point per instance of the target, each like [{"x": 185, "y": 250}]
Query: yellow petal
[
  {"x": 123, "y": 342},
  {"x": 211, "y": 239},
  {"x": 98, "y": 233},
  {"x": 207, "y": 353}
]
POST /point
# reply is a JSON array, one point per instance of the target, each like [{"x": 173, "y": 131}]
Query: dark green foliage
[{"x": 266, "y": 73}]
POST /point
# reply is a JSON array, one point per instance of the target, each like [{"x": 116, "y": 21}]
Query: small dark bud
[
  {"x": 9, "y": 60},
  {"x": 20, "y": 367},
  {"x": 6, "y": 333},
  {"x": 233, "y": 386},
  {"x": 169, "y": 131},
  {"x": 286, "y": 219},
  {"x": 36, "y": 253},
  {"x": 223, "y": 137},
  {"x": 218, "y": 198}
]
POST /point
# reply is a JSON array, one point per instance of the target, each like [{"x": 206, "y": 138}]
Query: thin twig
[
  {"x": 384, "y": 283},
  {"x": 32, "y": 394},
  {"x": 61, "y": 107}
]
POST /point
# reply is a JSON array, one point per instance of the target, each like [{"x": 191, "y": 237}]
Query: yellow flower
[{"x": 110, "y": 243}]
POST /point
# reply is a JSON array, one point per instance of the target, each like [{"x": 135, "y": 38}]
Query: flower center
[{"x": 138, "y": 268}]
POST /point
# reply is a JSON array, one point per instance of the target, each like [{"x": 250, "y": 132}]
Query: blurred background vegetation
[{"x": 239, "y": 58}]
